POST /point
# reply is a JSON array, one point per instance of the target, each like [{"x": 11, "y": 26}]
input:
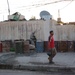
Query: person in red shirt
[{"x": 51, "y": 47}]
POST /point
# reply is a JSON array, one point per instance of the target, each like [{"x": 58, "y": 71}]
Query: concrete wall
[
  {"x": 23, "y": 29},
  {"x": 64, "y": 33}
]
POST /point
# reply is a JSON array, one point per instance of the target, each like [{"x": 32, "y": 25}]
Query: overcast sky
[{"x": 25, "y": 8}]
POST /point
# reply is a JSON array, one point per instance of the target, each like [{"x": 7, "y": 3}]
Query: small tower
[{"x": 59, "y": 19}]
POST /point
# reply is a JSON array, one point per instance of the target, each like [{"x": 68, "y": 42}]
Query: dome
[
  {"x": 42, "y": 13},
  {"x": 45, "y": 15}
]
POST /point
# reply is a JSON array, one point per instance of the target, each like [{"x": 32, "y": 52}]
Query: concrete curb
[
  {"x": 6, "y": 54},
  {"x": 47, "y": 68},
  {"x": 6, "y": 66},
  {"x": 32, "y": 67}
]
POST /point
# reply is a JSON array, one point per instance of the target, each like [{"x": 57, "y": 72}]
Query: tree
[{"x": 32, "y": 18}]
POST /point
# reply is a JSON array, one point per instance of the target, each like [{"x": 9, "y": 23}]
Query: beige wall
[
  {"x": 23, "y": 29},
  {"x": 64, "y": 33}
]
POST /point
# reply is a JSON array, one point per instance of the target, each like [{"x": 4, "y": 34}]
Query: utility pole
[
  {"x": 8, "y": 7},
  {"x": 58, "y": 13}
]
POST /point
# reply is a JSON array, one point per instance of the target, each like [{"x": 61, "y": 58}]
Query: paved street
[{"x": 17, "y": 72}]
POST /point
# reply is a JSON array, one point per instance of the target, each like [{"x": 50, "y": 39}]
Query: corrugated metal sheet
[
  {"x": 71, "y": 46},
  {"x": 26, "y": 46},
  {"x": 6, "y": 46},
  {"x": 56, "y": 45},
  {"x": 45, "y": 46},
  {"x": 65, "y": 33},
  {"x": 23, "y": 30},
  {"x": 19, "y": 47},
  {"x": 74, "y": 45},
  {"x": 0, "y": 47},
  {"x": 63, "y": 46},
  {"x": 20, "y": 30}
]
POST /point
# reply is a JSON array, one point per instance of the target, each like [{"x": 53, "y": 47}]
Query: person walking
[{"x": 51, "y": 47}]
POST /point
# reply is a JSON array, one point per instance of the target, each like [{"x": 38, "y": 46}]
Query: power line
[
  {"x": 39, "y": 5},
  {"x": 30, "y": 6},
  {"x": 36, "y": 5},
  {"x": 63, "y": 8},
  {"x": 67, "y": 5}
]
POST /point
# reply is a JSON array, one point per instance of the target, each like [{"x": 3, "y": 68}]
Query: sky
[{"x": 30, "y": 8}]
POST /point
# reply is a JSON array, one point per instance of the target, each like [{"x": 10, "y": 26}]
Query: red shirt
[{"x": 51, "y": 42}]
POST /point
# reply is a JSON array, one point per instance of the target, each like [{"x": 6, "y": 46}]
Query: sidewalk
[{"x": 39, "y": 62}]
